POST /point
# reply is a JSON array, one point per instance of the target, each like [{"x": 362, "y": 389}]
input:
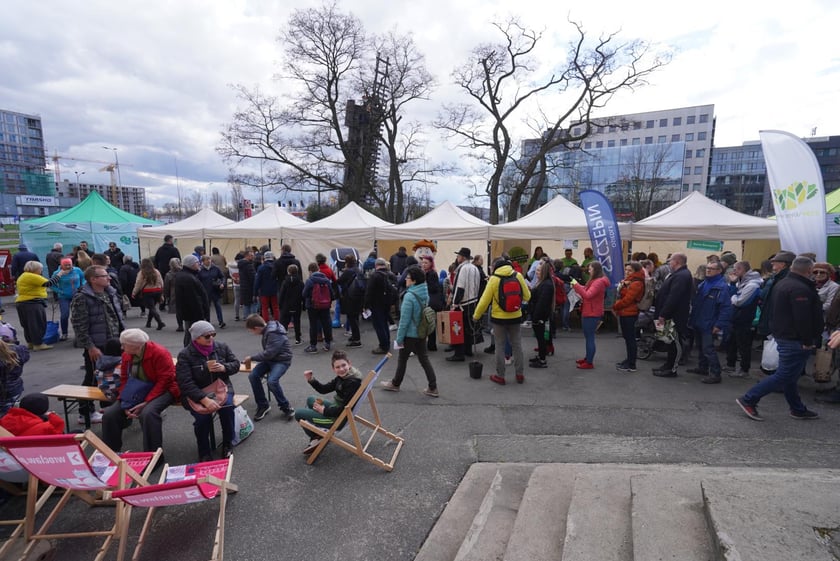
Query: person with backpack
[
  {"x": 506, "y": 291},
  {"x": 631, "y": 290},
  {"x": 351, "y": 285},
  {"x": 542, "y": 309},
  {"x": 291, "y": 300},
  {"x": 318, "y": 296},
  {"x": 415, "y": 325},
  {"x": 380, "y": 295},
  {"x": 592, "y": 309}
]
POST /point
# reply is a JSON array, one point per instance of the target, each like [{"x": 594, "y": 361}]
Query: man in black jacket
[
  {"x": 673, "y": 302},
  {"x": 797, "y": 325},
  {"x": 282, "y": 264},
  {"x": 190, "y": 297},
  {"x": 164, "y": 253}
]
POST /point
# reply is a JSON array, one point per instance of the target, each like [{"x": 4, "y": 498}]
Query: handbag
[
  {"x": 134, "y": 392},
  {"x": 217, "y": 391},
  {"x": 51, "y": 332},
  {"x": 823, "y": 365}
]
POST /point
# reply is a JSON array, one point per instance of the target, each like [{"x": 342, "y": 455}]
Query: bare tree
[
  {"x": 647, "y": 184},
  {"x": 217, "y": 202},
  {"x": 193, "y": 202},
  {"x": 506, "y": 87}
]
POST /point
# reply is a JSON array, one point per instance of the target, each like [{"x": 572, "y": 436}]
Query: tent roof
[
  {"x": 269, "y": 223},
  {"x": 352, "y": 221},
  {"x": 195, "y": 226},
  {"x": 92, "y": 209},
  {"x": 697, "y": 217},
  {"x": 444, "y": 222}
]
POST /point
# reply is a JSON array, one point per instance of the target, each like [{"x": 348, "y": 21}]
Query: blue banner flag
[{"x": 603, "y": 233}]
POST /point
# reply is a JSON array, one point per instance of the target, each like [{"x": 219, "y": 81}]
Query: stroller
[{"x": 647, "y": 340}]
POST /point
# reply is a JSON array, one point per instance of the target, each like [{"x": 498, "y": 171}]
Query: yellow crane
[{"x": 110, "y": 167}]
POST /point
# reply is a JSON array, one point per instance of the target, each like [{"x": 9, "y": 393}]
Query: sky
[{"x": 153, "y": 79}]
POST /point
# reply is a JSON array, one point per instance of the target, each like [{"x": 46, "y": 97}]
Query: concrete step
[
  {"x": 598, "y": 524},
  {"x": 493, "y": 524},
  {"x": 540, "y": 526},
  {"x": 764, "y": 516},
  {"x": 668, "y": 517}
]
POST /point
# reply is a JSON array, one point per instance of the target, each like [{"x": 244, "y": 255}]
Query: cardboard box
[{"x": 450, "y": 327}]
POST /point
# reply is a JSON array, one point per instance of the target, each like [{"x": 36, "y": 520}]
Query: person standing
[
  {"x": 408, "y": 339},
  {"x": 379, "y": 296},
  {"x": 67, "y": 287},
  {"x": 21, "y": 258},
  {"x": 54, "y": 258},
  {"x": 149, "y": 287},
  {"x": 744, "y": 303},
  {"x": 190, "y": 296},
  {"x": 797, "y": 325},
  {"x": 398, "y": 261},
  {"x": 281, "y": 264},
  {"x": 31, "y": 303},
  {"x": 710, "y": 316},
  {"x": 213, "y": 280},
  {"x": 673, "y": 300},
  {"x": 164, "y": 253},
  {"x": 267, "y": 288},
  {"x": 128, "y": 278},
  {"x": 273, "y": 361},
  {"x": 96, "y": 314},
  {"x": 352, "y": 298},
  {"x": 630, "y": 292},
  {"x": 541, "y": 305},
  {"x": 592, "y": 309},
  {"x": 781, "y": 266},
  {"x": 318, "y": 295},
  {"x": 115, "y": 254},
  {"x": 291, "y": 301},
  {"x": 465, "y": 294},
  {"x": 247, "y": 277}
]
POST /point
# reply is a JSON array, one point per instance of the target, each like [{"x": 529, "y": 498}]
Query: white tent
[
  {"x": 444, "y": 222},
  {"x": 266, "y": 225},
  {"x": 697, "y": 217},
  {"x": 188, "y": 233}
]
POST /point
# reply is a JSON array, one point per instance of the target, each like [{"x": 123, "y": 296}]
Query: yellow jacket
[
  {"x": 491, "y": 294},
  {"x": 31, "y": 286}
]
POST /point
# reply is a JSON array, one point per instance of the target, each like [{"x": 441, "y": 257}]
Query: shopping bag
[
  {"x": 450, "y": 327},
  {"x": 823, "y": 365},
  {"x": 51, "y": 334},
  {"x": 243, "y": 427},
  {"x": 770, "y": 355}
]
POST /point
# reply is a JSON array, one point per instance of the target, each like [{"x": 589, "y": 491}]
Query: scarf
[{"x": 205, "y": 350}]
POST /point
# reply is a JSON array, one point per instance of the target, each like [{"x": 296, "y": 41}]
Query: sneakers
[
  {"x": 490, "y": 350},
  {"x": 538, "y": 364},
  {"x": 392, "y": 327},
  {"x": 527, "y": 323},
  {"x": 63, "y": 337},
  {"x": 379, "y": 351},
  {"x": 326, "y": 347},
  {"x": 739, "y": 374},
  {"x": 431, "y": 392},
  {"x": 728, "y": 368},
  {"x": 624, "y": 367},
  {"x": 806, "y": 415},
  {"x": 261, "y": 412},
  {"x": 520, "y": 378},
  {"x": 751, "y": 411},
  {"x": 497, "y": 379},
  {"x": 222, "y": 325},
  {"x": 312, "y": 445},
  {"x": 289, "y": 413},
  {"x": 311, "y": 349},
  {"x": 585, "y": 365},
  {"x": 354, "y": 344},
  {"x": 297, "y": 341},
  {"x": 389, "y": 386},
  {"x": 41, "y": 347}
]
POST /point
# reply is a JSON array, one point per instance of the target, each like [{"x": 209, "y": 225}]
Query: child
[
  {"x": 12, "y": 358},
  {"x": 291, "y": 300},
  {"x": 107, "y": 376},
  {"x": 32, "y": 417},
  {"x": 274, "y": 360},
  {"x": 322, "y": 413}
]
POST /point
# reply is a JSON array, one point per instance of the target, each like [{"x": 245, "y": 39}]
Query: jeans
[
  {"x": 709, "y": 361},
  {"x": 508, "y": 332},
  {"x": 418, "y": 347},
  {"x": 590, "y": 324},
  {"x": 792, "y": 359},
  {"x": 275, "y": 371},
  {"x": 379, "y": 317},
  {"x": 236, "y": 302},
  {"x": 114, "y": 420},
  {"x": 249, "y": 308},
  {"x": 202, "y": 423},
  {"x": 628, "y": 331},
  {"x": 64, "y": 307},
  {"x": 217, "y": 303}
]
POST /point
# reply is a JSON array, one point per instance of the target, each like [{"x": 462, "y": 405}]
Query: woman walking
[
  {"x": 149, "y": 286},
  {"x": 592, "y": 309},
  {"x": 630, "y": 292}
]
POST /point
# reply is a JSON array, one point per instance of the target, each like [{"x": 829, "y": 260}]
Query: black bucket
[{"x": 475, "y": 369}]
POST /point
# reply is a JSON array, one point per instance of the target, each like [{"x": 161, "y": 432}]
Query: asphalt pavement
[{"x": 344, "y": 508}]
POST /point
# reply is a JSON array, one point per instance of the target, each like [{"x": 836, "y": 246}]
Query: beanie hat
[
  {"x": 199, "y": 328},
  {"x": 190, "y": 261},
  {"x": 36, "y": 403}
]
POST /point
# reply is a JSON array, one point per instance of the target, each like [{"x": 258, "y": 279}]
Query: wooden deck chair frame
[
  {"x": 123, "y": 476},
  {"x": 348, "y": 415},
  {"x": 141, "y": 497}
]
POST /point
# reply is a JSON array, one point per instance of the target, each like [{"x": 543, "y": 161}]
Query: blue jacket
[
  {"x": 411, "y": 310},
  {"x": 275, "y": 344},
  {"x": 266, "y": 283},
  {"x": 210, "y": 279},
  {"x": 711, "y": 306},
  {"x": 69, "y": 284}
]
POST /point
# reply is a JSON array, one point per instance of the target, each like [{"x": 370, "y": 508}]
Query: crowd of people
[{"x": 725, "y": 306}]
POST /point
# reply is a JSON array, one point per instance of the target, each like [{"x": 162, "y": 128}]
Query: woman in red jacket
[
  {"x": 630, "y": 292},
  {"x": 33, "y": 417},
  {"x": 592, "y": 309}
]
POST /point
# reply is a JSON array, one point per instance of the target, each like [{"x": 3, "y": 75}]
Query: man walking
[
  {"x": 465, "y": 293},
  {"x": 711, "y": 311},
  {"x": 191, "y": 299},
  {"x": 164, "y": 253},
  {"x": 672, "y": 303},
  {"x": 797, "y": 325}
]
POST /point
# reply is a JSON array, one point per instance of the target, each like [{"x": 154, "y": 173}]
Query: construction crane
[{"x": 110, "y": 167}]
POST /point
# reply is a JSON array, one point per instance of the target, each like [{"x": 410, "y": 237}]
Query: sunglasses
[
  {"x": 208, "y": 335},
  {"x": 820, "y": 273}
]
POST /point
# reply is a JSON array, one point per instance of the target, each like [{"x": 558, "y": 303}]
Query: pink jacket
[{"x": 592, "y": 296}]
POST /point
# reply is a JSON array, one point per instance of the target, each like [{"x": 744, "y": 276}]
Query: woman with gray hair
[
  {"x": 31, "y": 303},
  {"x": 147, "y": 387}
]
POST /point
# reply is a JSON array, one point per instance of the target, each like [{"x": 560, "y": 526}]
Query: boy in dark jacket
[
  {"x": 323, "y": 413},
  {"x": 291, "y": 300},
  {"x": 274, "y": 360}
]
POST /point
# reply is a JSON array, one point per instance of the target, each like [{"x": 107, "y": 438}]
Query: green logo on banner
[
  {"x": 794, "y": 195},
  {"x": 705, "y": 245}
]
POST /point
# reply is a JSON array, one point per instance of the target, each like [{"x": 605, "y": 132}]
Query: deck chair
[
  {"x": 350, "y": 416},
  {"x": 183, "y": 485},
  {"x": 61, "y": 461}
]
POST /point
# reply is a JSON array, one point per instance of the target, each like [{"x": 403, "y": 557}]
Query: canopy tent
[
  {"x": 266, "y": 225},
  {"x": 188, "y": 233},
  {"x": 697, "y": 217},
  {"x": 444, "y": 222},
  {"x": 94, "y": 220}
]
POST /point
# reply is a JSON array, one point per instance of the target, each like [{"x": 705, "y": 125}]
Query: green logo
[{"x": 794, "y": 195}]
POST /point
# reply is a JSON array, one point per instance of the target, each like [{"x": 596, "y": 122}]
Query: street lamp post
[
  {"x": 117, "y": 161},
  {"x": 78, "y": 186}
]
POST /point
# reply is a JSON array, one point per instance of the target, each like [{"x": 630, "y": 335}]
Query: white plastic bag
[
  {"x": 770, "y": 355},
  {"x": 244, "y": 426}
]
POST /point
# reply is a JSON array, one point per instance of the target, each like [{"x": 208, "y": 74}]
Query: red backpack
[
  {"x": 559, "y": 290},
  {"x": 510, "y": 293},
  {"x": 321, "y": 296}
]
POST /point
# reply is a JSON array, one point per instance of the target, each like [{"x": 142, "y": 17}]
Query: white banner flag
[{"x": 796, "y": 187}]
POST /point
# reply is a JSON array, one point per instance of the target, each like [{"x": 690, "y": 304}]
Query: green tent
[{"x": 94, "y": 220}]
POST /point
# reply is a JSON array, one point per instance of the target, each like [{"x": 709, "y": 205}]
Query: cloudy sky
[{"x": 152, "y": 78}]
